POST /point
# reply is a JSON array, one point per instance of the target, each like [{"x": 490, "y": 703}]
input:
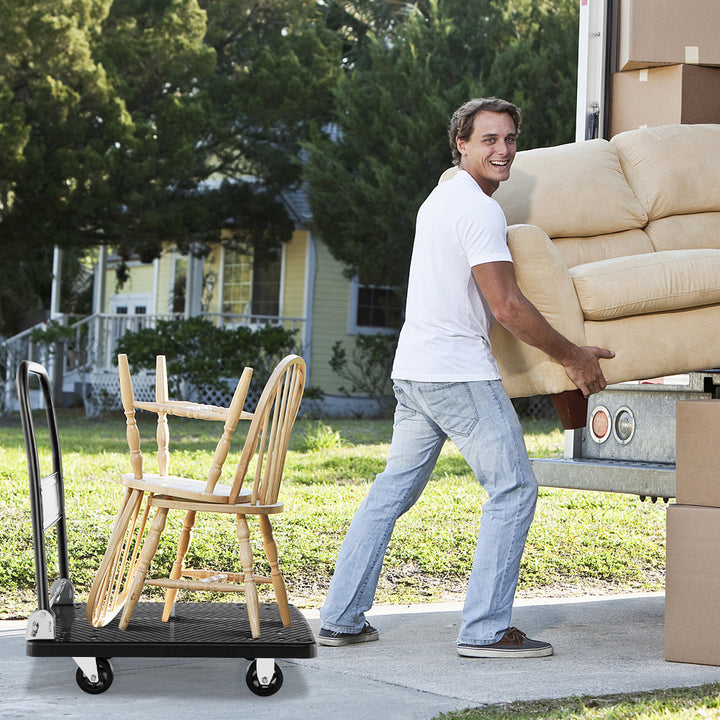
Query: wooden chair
[
  {"x": 261, "y": 462},
  {"x": 108, "y": 591}
]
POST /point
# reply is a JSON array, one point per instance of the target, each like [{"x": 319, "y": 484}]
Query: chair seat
[{"x": 179, "y": 486}]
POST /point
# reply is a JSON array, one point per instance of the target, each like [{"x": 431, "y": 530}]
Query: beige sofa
[{"x": 617, "y": 243}]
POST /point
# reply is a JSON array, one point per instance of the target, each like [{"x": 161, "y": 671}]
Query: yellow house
[{"x": 303, "y": 288}]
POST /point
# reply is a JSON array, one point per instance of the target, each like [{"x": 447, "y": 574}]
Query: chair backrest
[
  {"x": 163, "y": 407},
  {"x": 269, "y": 433}
]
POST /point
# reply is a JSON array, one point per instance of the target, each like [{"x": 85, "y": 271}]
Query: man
[{"x": 447, "y": 385}]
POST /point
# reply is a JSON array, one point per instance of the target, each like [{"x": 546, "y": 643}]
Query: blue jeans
[{"x": 480, "y": 419}]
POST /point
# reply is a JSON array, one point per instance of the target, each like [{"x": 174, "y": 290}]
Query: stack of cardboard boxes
[
  {"x": 668, "y": 64},
  {"x": 692, "y": 572}
]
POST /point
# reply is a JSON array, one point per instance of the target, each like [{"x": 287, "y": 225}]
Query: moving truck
[{"x": 640, "y": 62}]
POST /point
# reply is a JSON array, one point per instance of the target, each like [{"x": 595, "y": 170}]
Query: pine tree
[
  {"x": 537, "y": 69},
  {"x": 371, "y": 170},
  {"x": 388, "y": 145}
]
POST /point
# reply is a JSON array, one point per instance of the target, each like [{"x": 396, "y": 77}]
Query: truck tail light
[{"x": 600, "y": 424}]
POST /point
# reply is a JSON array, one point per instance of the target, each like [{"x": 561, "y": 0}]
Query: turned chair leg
[
  {"x": 246, "y": 558},
  {"x": 177, "y": 568},
  {"x": 277, "y": 579},
  {"x": 148, "y": 552}
]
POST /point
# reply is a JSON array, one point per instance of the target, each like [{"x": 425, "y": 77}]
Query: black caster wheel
[
  {"x": 253, "y": 682},
  {"x": 104, "y": 681}
]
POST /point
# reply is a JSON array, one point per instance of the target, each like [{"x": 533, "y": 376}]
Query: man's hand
[{"x": 584, "y": 369}]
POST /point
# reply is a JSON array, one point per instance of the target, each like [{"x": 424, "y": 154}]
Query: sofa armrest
[{"x": 545, "y": 280}]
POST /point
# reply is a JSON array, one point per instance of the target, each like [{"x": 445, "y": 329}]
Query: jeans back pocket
[{"x": 451, "y": 405}]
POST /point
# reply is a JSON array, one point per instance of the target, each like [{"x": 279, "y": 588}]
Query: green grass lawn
[
  {"x": 678, "y": 704},
  {"x": 580, "y": 542}
]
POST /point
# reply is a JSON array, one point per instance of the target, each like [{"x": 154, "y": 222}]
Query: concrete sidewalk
[{"x": 602, "y": 645}]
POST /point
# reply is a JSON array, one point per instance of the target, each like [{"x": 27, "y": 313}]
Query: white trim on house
[
  {"x": 100, "y": 280},
  {"x": 281, "y": 289},
  {"x": 156, "y": 279},
  {"x": 309, "y": 295}
]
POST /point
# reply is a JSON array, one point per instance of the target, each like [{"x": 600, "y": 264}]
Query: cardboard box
[
  {"x": 692, "y": 585},
  {"x": 678, "y": 94},
  {"x": 697, "y": 449},
  {"x": 668, "y": 33}
]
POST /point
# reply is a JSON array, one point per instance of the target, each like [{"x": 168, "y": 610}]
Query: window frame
[{"x": 353, "y": 327}]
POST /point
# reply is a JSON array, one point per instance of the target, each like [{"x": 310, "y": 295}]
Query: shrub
[
  {"x": 320, "y": 436},
  {"x": 368, "y": 368},
  {"x": 204, "y": 355}
]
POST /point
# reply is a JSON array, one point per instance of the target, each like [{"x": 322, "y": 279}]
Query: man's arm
[{"x": 519, "y": 316}]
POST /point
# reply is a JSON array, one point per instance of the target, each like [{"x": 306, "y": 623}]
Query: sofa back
[
  {"x": 674, "y": 171},
  {"x": 577, "y": 193}
]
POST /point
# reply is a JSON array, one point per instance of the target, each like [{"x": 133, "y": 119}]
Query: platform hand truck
[{"x": 59, "y": 628}]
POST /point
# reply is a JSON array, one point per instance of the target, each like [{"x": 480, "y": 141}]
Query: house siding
[
  {"x": 164, "y": 288},
  {"x": 330, "y": 318},
  {"x": 293, "y": 299}
]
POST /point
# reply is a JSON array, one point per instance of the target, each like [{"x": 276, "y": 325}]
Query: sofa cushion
[
  {"x": 574, "y": 190},
  {"x": 648, "y": 283},
  {"x": 673, "y": 169},
  {"x": 577, "y": 251},
  {"x": 678, "y": 232}
]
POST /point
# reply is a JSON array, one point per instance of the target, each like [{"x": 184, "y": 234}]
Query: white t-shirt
[{"x": 445, "y": 337}]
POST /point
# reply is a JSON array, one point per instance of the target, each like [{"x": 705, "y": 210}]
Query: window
[
  {"x": 251, "y": 286},
  {"x": 265, "y": 297},
  {"x": 177, "y": 300},
  {"x": 375, "y": 308},
  {"x": 237, "y": 277}
]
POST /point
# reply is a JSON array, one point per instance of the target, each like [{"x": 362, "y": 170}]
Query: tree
[
  {"x": 58, "y": 117},
  {"x": 359, "y": 22},
  {"x": 372, "y": 168},
  {"x": 369, "y": 174},
  {"x": 136, "y": 123},
  {"x": 537, "y": 69}
]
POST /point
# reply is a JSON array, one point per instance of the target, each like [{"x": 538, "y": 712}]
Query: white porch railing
[{"x": 91, "y": 348}]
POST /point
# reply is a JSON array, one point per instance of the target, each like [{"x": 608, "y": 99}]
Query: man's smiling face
[{"x": 489, "y": 152}]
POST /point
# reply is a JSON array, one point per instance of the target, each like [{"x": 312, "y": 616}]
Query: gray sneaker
[
  {"x": 513, "y": 644},
  {"x": 332, "y": 638}
]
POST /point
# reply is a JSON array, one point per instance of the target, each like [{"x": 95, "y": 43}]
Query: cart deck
[{"x": 197, "y": 630}]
